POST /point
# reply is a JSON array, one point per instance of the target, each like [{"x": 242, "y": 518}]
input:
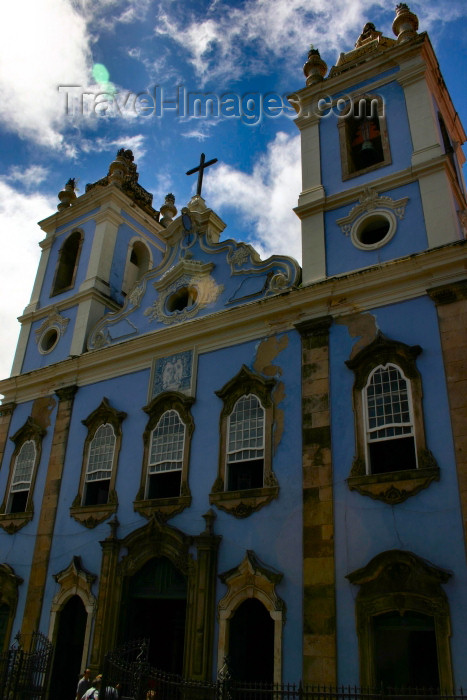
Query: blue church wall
[
  {"x": 274, "y": 532},
  {"x": 428, "y": 524},
  {"x": 410, "y": 236},
  {"x": 400, "y": 143},
  {"x": 34, "y": 359},
  {"x": 87, "y": 228},
  {"x": 17, "y": 549}
]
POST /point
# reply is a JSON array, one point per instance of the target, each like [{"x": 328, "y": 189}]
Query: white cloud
[
  {"x": 44, "y": 44},
  {"x": 20, "y": 255},
  {"x": 264, "y": 198},
  {"x": 29, "y": 177},
  {"x": 99, "y": 145},
  {"x": 238, "y": 40}
]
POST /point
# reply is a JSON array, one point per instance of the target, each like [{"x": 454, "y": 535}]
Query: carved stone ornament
[
  {"x": 401, "y": 581},
  {"x": 251, "y": 579},
  {"x": 371, "y": 202},
  {"x": 54, "y": 322}
]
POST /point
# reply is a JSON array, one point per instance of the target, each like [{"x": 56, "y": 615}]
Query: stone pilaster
[
  {"x": 199, "y": 653},
  {"x": 319, "y": 607},
  {"x": 48, "y": 512},
  {"x": 451, "y": 305},
  {"x": 105, "y": 630},
  {"x": 6, "y": 411}
]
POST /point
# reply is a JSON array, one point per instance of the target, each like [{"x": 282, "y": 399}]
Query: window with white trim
[
  {"x": 166, "y": 456},
  {"x": 245, "y": 447},
  {"x": 99, "y": 466},
  {"x": 22, "y": 476},
  {"x": 389, "y": 421}
]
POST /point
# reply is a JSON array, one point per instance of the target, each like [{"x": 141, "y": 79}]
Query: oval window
[
  {"x": 373, "y": 230},
  {"x": 183, "y": 298},
  {"x": 48, "y": 340}
]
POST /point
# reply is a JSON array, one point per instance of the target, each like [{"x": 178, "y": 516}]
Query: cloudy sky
[{"x": 81, "y": 78}]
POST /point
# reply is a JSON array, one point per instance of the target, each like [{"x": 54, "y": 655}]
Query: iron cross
[{"x": 200, "y": 170}]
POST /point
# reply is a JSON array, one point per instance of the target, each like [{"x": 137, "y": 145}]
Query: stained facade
[{"x": 199, "y": 446}]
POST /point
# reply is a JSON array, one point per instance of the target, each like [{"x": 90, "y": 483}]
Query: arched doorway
[
  {"x": 405, "y": 650},
  {"x": 251, "y": 643},
  {"x": 155, "y": 609},
  {"x": 69, "y": 644}
]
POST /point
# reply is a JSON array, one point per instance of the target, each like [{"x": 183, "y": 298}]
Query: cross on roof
[{"x": 200, "y": 170}]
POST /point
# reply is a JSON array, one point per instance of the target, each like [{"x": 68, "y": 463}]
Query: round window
[
  {"x": 48, "y": 340},
  {"x": 183, "y": 298},
  {"x": 373, "y": 230}
]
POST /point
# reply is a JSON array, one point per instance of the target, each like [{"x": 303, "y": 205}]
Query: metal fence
[
  {"x": 24, "y": 673},
  {"x": 128, "y": 668}
]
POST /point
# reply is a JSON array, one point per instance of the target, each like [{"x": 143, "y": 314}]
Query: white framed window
[
  {"x": 245, "y": 444},
  {"x": 99, "y": 466},
  {"x": 165, "y": 459},
  {"x": 389, "y": 422},
  {"x": 22, "y": 477}
]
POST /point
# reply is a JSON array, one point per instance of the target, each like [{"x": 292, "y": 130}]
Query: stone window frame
[
  {"x": 12, "y": 522},
  {"x": 343, "y": 129},
  {"x": 92, "y": 515},
  {"x": 134, "y": 271},
  {"x": 55, "y": 291},
  {"x": 389, "y": 487},
  {"x": 401, "y": 581},
  {"x": 251, "y": 579},
  {"x": 166, "y": 508},
  {"x": 243, "y": 503}
]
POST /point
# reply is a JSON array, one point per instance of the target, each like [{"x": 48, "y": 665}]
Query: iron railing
[{"x": 24, "y": 673}]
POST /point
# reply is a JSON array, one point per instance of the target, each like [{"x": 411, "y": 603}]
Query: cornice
[
  {"x": 374, "y": 63},
  {"x": 94, "y": 199},
  {"x": 68, "y": 303},
  {"x": 382, "y": 184},
  {"x": 358, "y": 291}
]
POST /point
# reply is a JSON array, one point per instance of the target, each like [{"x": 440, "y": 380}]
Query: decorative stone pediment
[
  {"x": 199, "y": 275},
  {"x": 53, "y": 320}
]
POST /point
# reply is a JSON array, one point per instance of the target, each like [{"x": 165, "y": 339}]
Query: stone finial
[
  {"x": 405, "y": 23},
  {"x": 121, "y": 166},
  {"x": 315, "y": 68},
  {"x": 168, "y": 210},
  {"x": 369, "y": 33},
  {"x": 68, "y": 195}
]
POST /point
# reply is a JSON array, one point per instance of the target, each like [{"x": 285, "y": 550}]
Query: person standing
[{"x": 84, "y": 684}]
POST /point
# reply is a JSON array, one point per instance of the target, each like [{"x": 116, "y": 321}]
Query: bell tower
[
  {"x": 381, "y": 153},
  {"x": 97, "y": 246}
]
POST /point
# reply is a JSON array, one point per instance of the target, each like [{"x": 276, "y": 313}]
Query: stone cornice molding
[
  {"x": 365, "y": 289},
  {"x": 94, "y": 199},
  {"x": 64, "y": 304}
]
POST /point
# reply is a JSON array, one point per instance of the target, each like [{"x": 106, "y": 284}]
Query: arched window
[
  {"x": 245, "y": 447},
  {"x": 164, "y": 488},
  {"x": 389, "y": 421},
  {"x": 99, "y": 468},
  {"x": 245, "y": 480},
  {"x": 389, "y": 428},
  {"x": 166, "y": 457},
  {"x": 97, "y": 498},
  {"x": 67, "y": 264},
  {"x": 17, "y": 508},
  {"x": 138, "y": 263},
  {"x": 22, "y": 476},
  {"x": 363, "y": 136}
]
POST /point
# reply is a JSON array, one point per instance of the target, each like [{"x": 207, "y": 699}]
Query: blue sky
[{"x": 129, "y": 48}]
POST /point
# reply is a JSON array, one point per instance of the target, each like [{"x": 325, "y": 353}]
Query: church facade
[{"x": 242, "y": 459}]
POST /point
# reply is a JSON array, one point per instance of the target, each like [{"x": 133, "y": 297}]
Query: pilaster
[
  {"x": 451, "y": 306},
  {"x": 48, "y": 512},
  {"x": 319, "y": 607},
  {"x": 6, "y": 411},
  {"x": 199, "y": 654}
]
